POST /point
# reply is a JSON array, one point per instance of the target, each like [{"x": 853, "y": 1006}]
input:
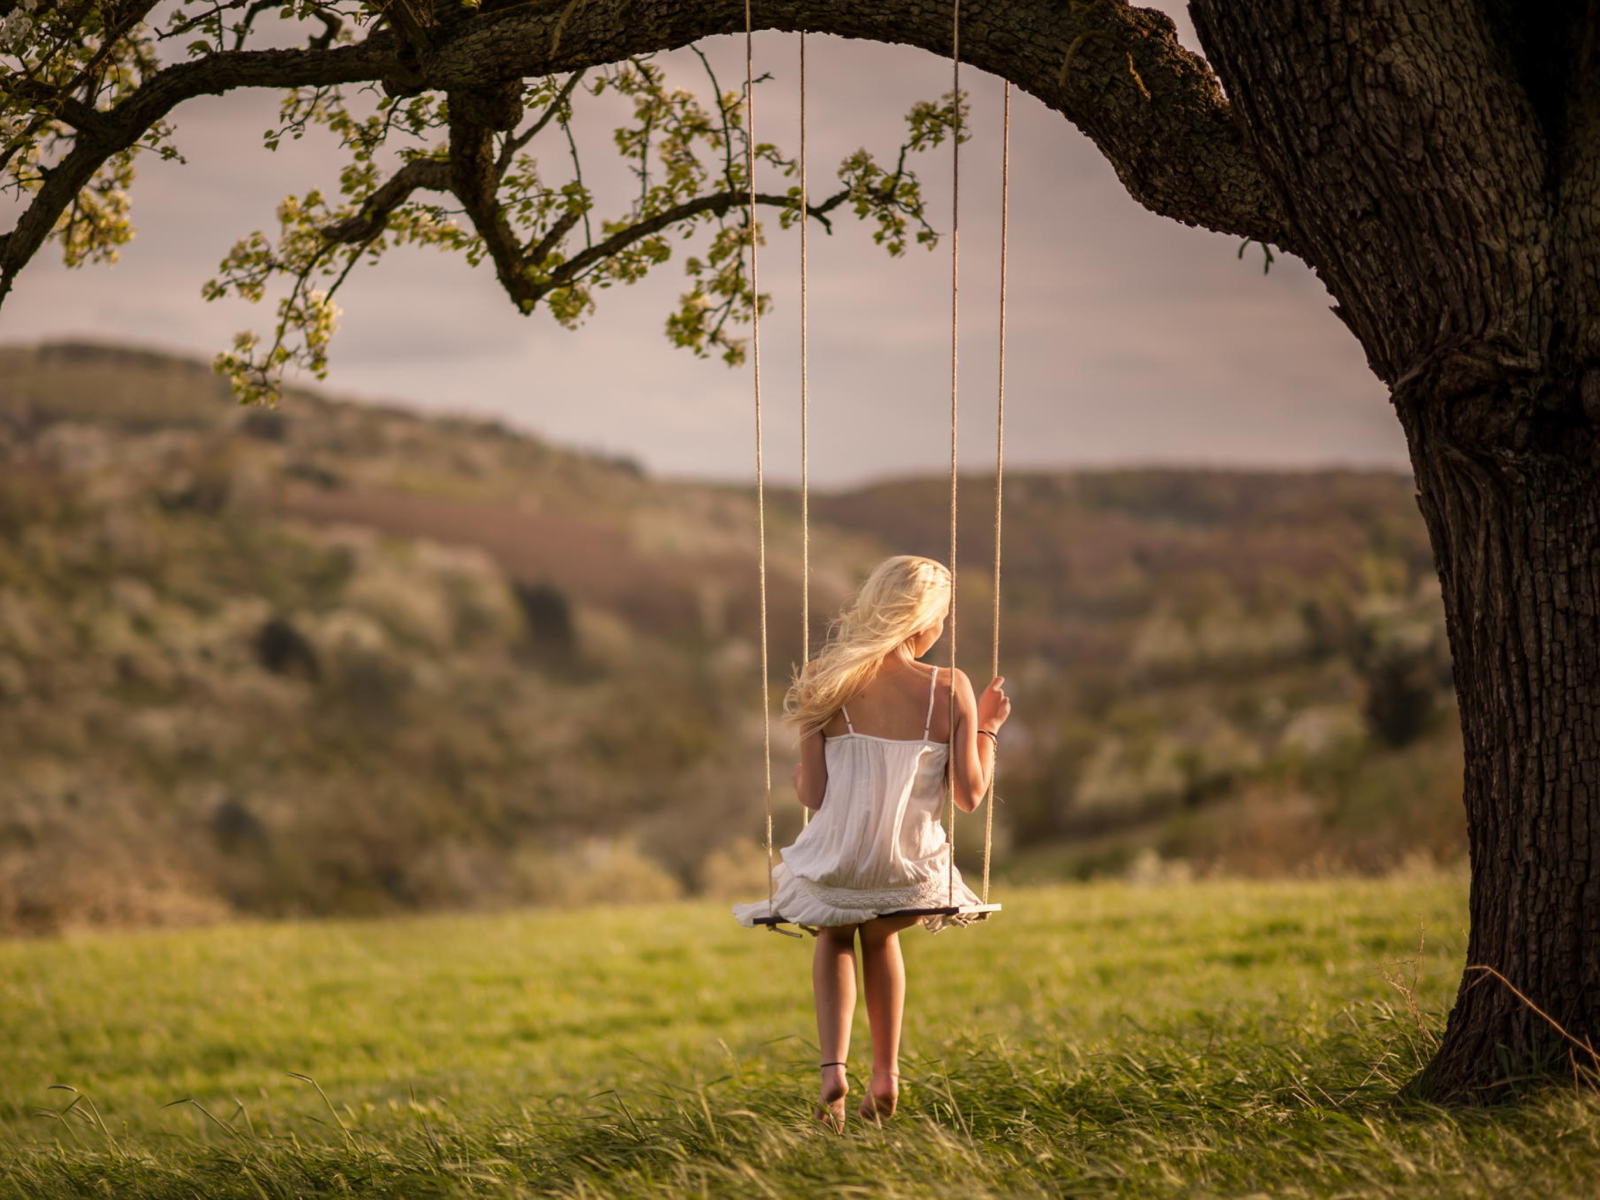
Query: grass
[{"x": 1223, "y": 1039}]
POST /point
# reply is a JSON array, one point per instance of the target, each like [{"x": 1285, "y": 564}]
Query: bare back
[{"x": 894, "y": 705}]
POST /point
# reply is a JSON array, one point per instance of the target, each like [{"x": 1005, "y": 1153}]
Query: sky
[{"x": 1131, "y": 339}]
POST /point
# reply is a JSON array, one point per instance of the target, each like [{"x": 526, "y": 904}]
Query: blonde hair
[{"x": 903, "y": 596}]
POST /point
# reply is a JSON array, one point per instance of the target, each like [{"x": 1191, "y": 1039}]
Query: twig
[{"x": 517, "y": 142}]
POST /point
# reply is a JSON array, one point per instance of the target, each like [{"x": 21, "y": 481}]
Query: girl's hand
[{"x": 994, "y": 706}]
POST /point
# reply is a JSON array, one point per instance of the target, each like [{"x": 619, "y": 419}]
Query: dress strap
[
  {"x": 933, "y": 685},
  {"x": 845, "y": 712}
]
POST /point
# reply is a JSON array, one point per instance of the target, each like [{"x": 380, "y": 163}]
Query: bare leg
[
  {"x": 883, "y": 972},
  {"x": 833, "y": 980}
]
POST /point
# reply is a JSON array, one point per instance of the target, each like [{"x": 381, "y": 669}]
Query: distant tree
[
  {"x": 1435, "y": 162},
  {"x": 282, "y": 649},
  {"x": 1400, "y": 692},
  {"x": 548, "y": 614}
]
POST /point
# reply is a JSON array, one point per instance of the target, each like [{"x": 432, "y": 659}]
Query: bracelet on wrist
[{"x": 992, "y": 734}]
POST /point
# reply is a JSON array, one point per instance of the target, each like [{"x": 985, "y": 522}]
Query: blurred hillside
[{"x": 339, "y": 658}]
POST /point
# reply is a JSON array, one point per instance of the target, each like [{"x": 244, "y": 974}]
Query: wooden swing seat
[{"x": 980, "y": 911}]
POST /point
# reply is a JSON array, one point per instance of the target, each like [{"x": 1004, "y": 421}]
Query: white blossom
[{"x": 14, "y": 27}]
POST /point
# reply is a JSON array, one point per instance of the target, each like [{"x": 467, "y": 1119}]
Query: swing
[{"x": 980, "y": 911}]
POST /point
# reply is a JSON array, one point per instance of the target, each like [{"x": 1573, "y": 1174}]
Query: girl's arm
[
  {"x": 811, "y": 772},
  {"x": 972, "y": 753}
]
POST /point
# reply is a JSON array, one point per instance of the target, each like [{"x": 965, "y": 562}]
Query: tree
[{"x": 1435, "y": 163}]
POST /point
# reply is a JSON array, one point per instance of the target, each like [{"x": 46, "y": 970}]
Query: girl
[{"x": 876, "y": 844}]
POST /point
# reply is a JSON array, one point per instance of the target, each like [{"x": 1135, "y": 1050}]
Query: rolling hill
[{"x": 334, "y": 657}]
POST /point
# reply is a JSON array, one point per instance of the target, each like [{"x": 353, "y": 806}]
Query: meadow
[{"x": 1100, "y": 1039}]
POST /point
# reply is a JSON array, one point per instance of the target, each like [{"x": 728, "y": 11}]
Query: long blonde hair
[{"x": 903, "y": 596}]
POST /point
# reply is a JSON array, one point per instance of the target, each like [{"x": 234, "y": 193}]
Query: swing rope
[
  {"x": 999, "y": 460},
  {"x": 761, "y": 484},
  {"x": 955, "y": 341},
  {"x": 805, "y": 403}
]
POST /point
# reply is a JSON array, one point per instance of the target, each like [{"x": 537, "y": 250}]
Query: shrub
[{"x": 593, "y": 871}]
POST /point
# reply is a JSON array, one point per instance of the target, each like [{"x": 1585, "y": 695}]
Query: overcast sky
[{"x": 1131, "y": 339}]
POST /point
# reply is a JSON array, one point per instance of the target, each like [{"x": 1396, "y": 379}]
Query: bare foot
[
  {"x": 830, "y": 1101},
  {"x": 883, "y": 1093}
]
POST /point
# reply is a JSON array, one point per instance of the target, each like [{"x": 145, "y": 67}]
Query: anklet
[{"x": 834, "y": 1064}]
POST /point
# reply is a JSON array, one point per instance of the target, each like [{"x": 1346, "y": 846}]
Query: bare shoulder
[{"x": 963, "y": 686}]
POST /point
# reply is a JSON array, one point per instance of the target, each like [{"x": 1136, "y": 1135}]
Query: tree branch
[
  {"x": 216, "y": 10},
  {"x": 440, "y": 175},
  {"x": 1153, "y": 108},
  {"x": 475, "y": 180},
  {"x": 432, "y": 174},
  {"x": 83, "y": 117},
  {"x": 122, "y": 126},
  {"x": 1118, "y": 73},
  {"x": 714, "y": 202},
  {"x": 515, "y": 142}
]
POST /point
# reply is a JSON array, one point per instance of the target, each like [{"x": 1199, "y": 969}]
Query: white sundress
[{"x": 876, "y": 845}]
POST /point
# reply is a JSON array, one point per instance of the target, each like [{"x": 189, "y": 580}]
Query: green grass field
[{"x": 1215, "y": 1039}]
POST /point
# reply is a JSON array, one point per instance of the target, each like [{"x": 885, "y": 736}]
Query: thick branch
[
  {"x": 1118, "y": 73},
  {"x": 475, "y": 180}
]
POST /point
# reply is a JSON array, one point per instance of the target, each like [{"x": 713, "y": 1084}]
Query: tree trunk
[
  {"x": 1515, "y": 525},
  {"x": 1447, "y": 204}
]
